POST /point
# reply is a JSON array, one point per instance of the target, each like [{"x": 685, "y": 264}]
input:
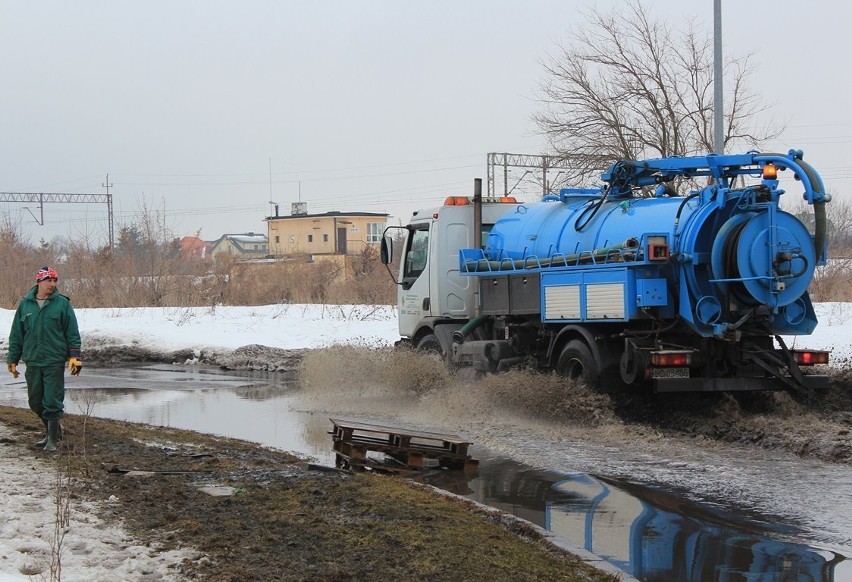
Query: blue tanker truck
[{"x": 677, "y": 274}]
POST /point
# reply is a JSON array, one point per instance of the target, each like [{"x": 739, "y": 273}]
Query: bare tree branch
[{"x": 627, "y": 87}]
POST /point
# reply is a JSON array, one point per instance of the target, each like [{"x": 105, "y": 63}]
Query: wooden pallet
[{"x": 409, "y": 450}]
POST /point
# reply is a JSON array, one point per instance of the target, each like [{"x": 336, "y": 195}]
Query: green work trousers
[{"x": 46, "y": 390}]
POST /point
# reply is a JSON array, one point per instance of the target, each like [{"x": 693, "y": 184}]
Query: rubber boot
[
  {"x": 43, "y": 441},
  {"x": 52, "y": 443}
]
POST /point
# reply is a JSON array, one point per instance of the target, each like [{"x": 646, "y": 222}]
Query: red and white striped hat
[{"x": 46, "y": 273}]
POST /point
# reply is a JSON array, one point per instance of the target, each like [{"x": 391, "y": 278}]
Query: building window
[
  {"x": 374, "y": 231},
  {"x": 277, "y": 239},
  {"x": 325, "y": 238},
  {"x": 310, "y": 238}
]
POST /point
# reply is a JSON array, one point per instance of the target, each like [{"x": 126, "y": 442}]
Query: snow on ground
[
  {"x": 90, "y": 549},
  {"x": 311, "y": 326},
  {"x": 27, "y": 513},
  {"x": 280, "y": 326},
  {"x": 165, "y": 329}
]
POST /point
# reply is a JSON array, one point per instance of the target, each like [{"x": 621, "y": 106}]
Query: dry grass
[
  {"x": 831, "y": 282},
  {"x": 147, "y": 269}
]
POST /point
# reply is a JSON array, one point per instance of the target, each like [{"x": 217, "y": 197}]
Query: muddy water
[{"x": 645, "y": 515}]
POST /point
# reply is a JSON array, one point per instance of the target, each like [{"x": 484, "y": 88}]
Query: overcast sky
[{"x": 209, "y": 110}]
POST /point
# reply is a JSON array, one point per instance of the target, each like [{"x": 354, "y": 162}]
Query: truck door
[{"x": 414, "y": 300}]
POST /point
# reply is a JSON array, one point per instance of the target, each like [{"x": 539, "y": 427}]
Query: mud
[
  {"x": 250, "y": 357},
  {"x": 818, "y": 426}
]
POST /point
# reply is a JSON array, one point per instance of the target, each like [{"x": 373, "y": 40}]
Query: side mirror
[{"x": 386, "y": 255}]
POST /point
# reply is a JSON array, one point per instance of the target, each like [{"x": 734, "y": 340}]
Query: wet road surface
[{"x": 653, "y": 532}]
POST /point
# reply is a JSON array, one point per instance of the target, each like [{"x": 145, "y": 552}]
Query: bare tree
[
  {"x": 22, "y": 262},
  {"x": 628, "y": 87}
]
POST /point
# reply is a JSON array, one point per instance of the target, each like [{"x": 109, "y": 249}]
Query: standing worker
[{"x": 45, "y": 335}]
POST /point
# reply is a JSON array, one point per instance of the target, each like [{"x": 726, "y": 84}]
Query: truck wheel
[
  {"x": 577, "y": 363},
  {"x": 430, "y": 343}
]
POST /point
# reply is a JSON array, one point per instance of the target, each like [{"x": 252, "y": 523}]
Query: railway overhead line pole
[{"x": 42, "y": 198}]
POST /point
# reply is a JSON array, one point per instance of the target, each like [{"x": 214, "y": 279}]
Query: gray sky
[{"x": 380, "y": 106}]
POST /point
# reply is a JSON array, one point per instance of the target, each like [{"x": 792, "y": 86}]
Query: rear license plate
[{"x": 669, "y": 372}]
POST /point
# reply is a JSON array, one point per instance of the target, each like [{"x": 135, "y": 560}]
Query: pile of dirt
[
  {"x": 106, "y": 353},
  {"x": 818, "y": 425},
  {"x": 280, "y": 518}
]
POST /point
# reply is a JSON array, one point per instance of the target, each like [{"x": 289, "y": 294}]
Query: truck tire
[
  {"x": 576, "y": 362},
  {"x": 430, "y": 343}
]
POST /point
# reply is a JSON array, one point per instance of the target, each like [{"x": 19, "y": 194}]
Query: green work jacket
[{"x": 43, "y": 336}]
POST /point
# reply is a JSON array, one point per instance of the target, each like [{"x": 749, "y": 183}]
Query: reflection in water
[
  {"x": 654, "y": 535},
  {"x": 651, "y": 534},
  {"x": 252, "y": 406}
]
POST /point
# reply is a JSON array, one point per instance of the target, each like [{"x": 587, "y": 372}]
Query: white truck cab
[{"x": 433, "y": 298}]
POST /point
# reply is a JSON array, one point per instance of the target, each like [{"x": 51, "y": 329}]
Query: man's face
[{"x": 46, "y": 287}]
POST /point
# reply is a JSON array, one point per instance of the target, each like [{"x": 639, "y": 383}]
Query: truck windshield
[{"x": 415, "y": 258}]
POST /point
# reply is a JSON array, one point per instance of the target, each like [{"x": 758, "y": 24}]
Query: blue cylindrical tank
[
  {"x": 546, "y": 228},
  {"x": 732, "y": 244}
]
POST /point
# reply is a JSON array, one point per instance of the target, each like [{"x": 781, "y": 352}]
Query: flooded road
[{"x": 656, "y": 516}]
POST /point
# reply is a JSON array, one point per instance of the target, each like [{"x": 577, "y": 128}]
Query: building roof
[
  {"x": 247, "y": 238},
  {"x": 241, "y": 241},
  {"x": 244, "y": 237},
  {"x": 191, "y": 242},
  {"x": 332, "y": 214}
]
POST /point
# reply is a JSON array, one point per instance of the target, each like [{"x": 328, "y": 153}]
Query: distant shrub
[{"x": 831, "y": 282}]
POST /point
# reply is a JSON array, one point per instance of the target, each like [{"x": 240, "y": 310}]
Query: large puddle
[{"x": 650, "y": 532}]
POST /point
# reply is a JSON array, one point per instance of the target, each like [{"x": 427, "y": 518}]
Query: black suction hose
[{"x": 820, "y": 218}]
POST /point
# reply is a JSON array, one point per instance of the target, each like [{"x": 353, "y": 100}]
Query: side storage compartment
[
  {"x": 494, "y": 295},
  {"x": 510, "y": 294},
  {"x": 525, "y": 294}
]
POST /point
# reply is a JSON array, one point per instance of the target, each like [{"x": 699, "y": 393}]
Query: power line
[
  {"x": 303, "y": 171},
  {"x": 260, "y": 181}
]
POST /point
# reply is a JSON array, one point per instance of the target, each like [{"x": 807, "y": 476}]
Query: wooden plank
[
  {"x": 410, "y": 448},
  {"x": 391, "y": 430}
]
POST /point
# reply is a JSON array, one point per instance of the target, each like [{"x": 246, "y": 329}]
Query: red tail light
[
  {"x": 810, "y": 358},
  {"x": 669, "y": 358}
]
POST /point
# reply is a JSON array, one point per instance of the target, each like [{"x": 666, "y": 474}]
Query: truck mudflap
[{"x": 812, "y": 382}]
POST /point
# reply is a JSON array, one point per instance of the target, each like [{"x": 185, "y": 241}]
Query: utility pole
[
  {"x": 107, "y": 184},
  {"x": 718, "y": 104}
]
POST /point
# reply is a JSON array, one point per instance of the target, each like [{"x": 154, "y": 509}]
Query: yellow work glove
[
  {"x": 74, "y": 366},
  {"x": 13, "y": 369}
]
